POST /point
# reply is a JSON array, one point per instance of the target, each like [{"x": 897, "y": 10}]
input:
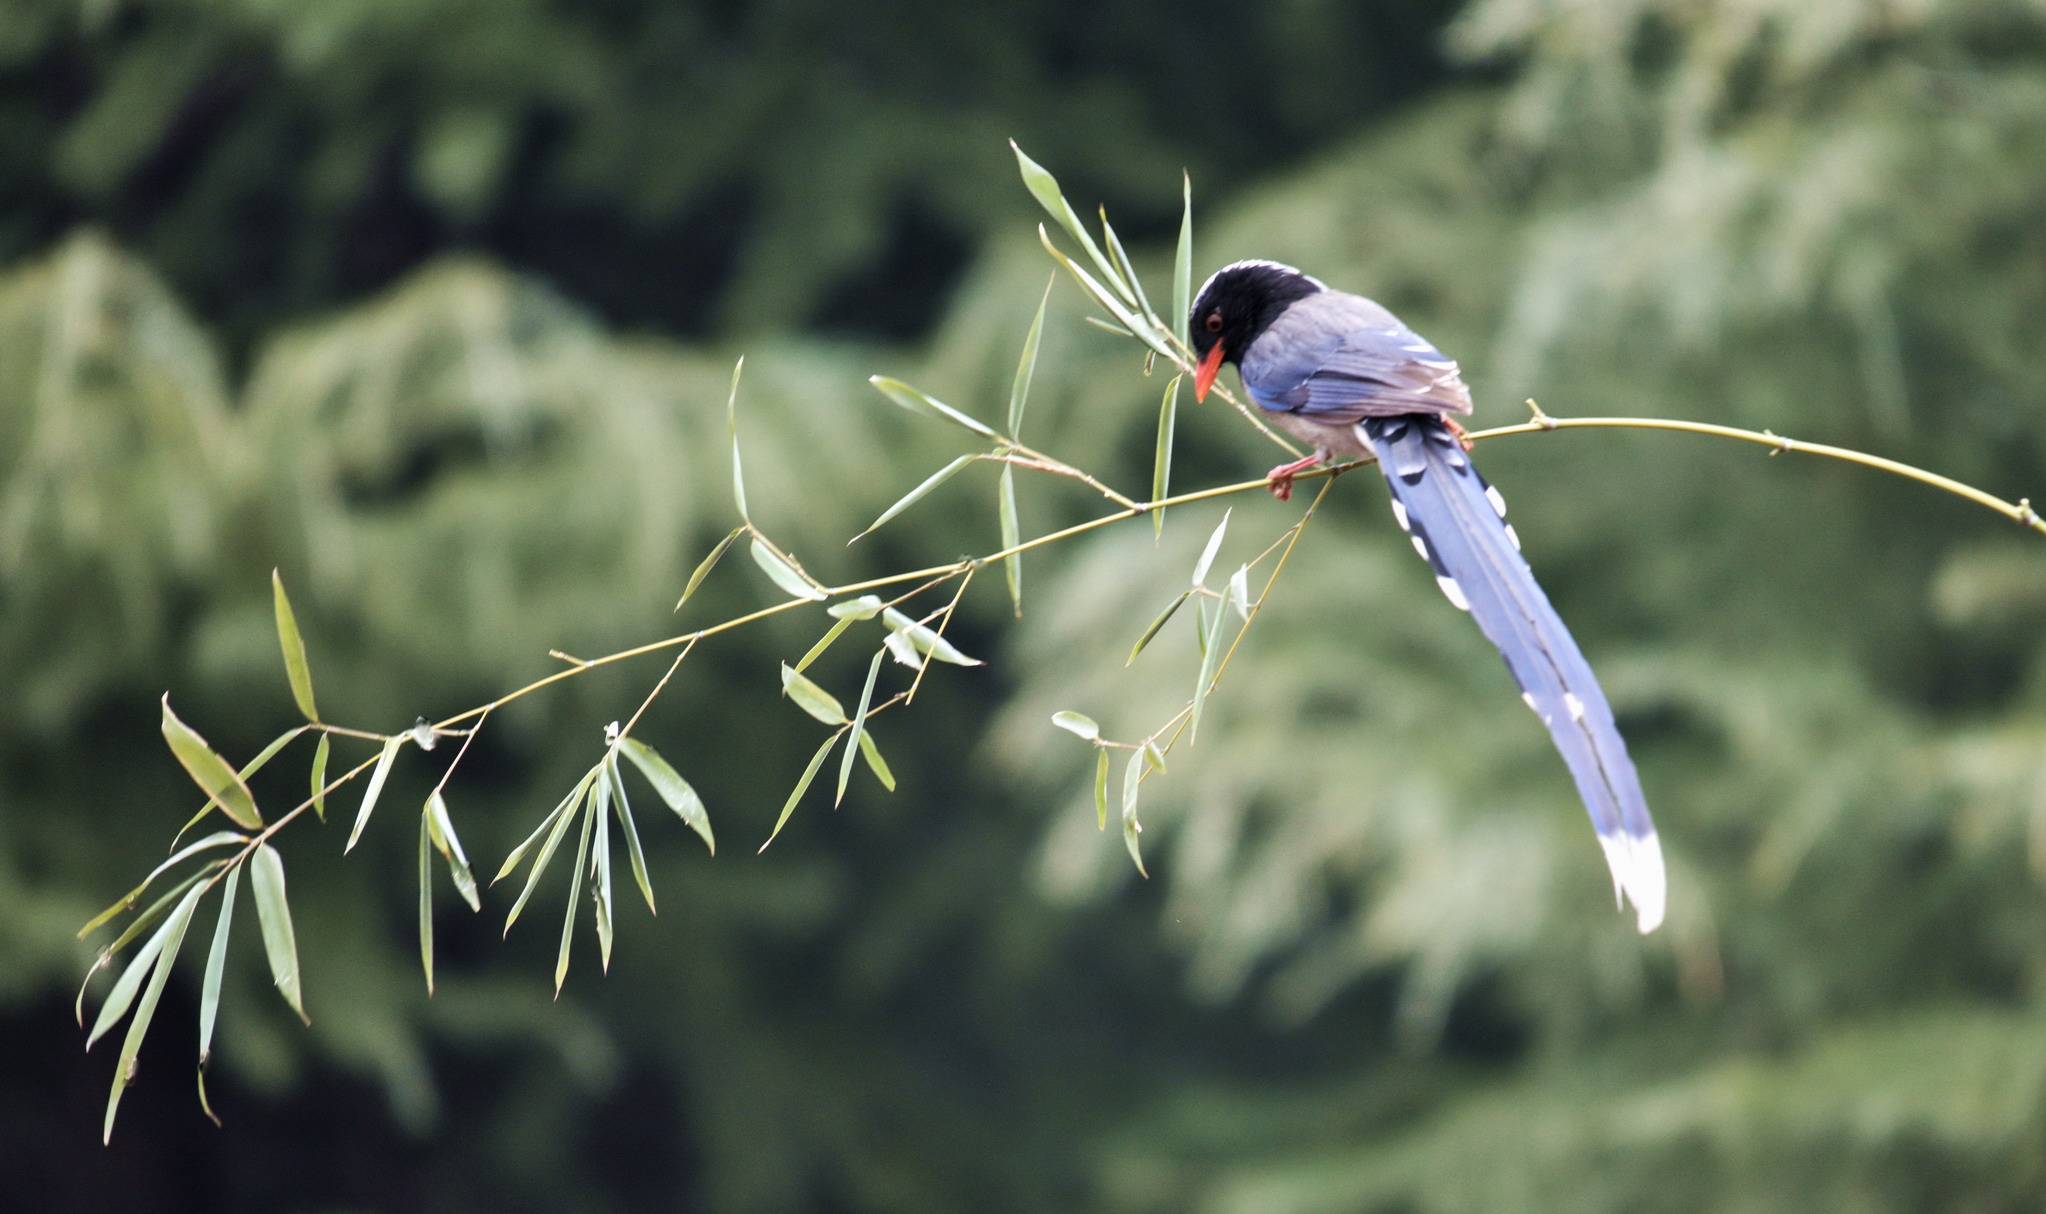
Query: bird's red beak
[{"x": 1204, "y": 375}]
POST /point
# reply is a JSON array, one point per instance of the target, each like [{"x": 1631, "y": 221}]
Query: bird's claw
[
  {"x": 1461, "y": 435},
  {"x": 1280, "y": 479}
]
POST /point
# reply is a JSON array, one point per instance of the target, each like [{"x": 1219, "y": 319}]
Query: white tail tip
[{"x": 1638, "y": 876}]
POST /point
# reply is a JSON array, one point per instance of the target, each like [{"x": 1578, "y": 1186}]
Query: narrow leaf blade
[
  {"x": 784, "y": 574},
  {"x": 442, "y": 829},
  {"x": 1182, "y": 264},
  {"x": 1101, "y": 789},
  {"x": 1079, "y": 724},
  {"x": 926, "y": 640},
  {"x": 1045, "y": 188},
  {"x": 1151, "y": 630},
  {"x": 375, "y": 789},
  {"x": 732, "y": 431},
  {"x": 1132, "y": 779},
  {"x": 878, "y": 765},
  {"x": 131, "y": 1047},
  {"x": 802, "y": 786},
  {"x": 915, "y": 495},
  {"x": 1200, "y": 571},
  {"x": 1161, "y": 459},
  {"x": 1012, "y": 564},
  {"x": 216, "y": 966},
  {"x": 917, "y": 401},
  {"x": 859, "y": 727},
  {"x": 273, "y": 913},
  {"x": 816, "y": 651},
  {"x": 671, "y": 787},
  {"x": 623, "y": 808},
  {"x": 1210, "y": 656},
  {"x": 319, "y": 789},
  {"x": 575, "y": 889},
  {"x": 600, "y": 860},
  {"x": 295, "y": 667},
  {"x": 1026, "y": 366},
  {"x": 209, "y": 771},
  {"x": 811, "y": 698},
  {"x": 426, "y": 903},
  {"x": 707, "y": 564}
]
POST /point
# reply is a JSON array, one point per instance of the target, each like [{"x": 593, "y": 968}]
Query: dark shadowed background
[{"x": 432, "y": 305}]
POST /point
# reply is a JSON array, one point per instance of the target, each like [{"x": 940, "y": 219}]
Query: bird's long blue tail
[{"x": 1458, "y": 523}]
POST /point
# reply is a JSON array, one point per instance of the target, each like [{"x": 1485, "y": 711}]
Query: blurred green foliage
[{"x": 362, "y": 291}]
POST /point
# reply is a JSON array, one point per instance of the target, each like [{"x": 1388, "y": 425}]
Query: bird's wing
[
  {"x": 1458, "y": 523},
  {"x": 1340, "y": 358}
]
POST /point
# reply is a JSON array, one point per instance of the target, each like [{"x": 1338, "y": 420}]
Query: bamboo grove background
[{"x": 433, "y": 306}]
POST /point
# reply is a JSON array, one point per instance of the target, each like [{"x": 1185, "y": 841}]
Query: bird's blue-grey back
[{"x": 1339, "y": 358}]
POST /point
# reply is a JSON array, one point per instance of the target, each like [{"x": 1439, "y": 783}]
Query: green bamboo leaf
[
  {"x": 561, "y": 821},
  {"x": 1080, "y": 725},
  {"x": 914, "y": 495},
  {"x": 784, "y": 574},
  {"x": 732, "y": 430},
  {"x": 878, "y": 765},
  {"x": 426, "y": 901},
  {"x": 1138, "y": 327},
  {"x": 273, "y": 913},
  {"x": 802, "y": 786},
  {"x": 1012, "y": 564},
  {"x": 248, "y": 769},
  {"x": 1107, "y": 327},
  {"x": 831, "y": 634},
  {"x": 1161, "y": 459},
  {"x": 811, "y": 698},
  {"x": 623, "y": 808},
  {"x": 926, "y": 640},
  {"x": 1151, "y": 630},
  {"x": 1045, "y": 188},
  {"x": 216, "y": 965},
  {"x": 919, "y": 402},
  {"x": 173, "y": 937},
  {"x": 859, "y": 728},
  {"x": 1026, "y": 366},
  {"x": 672, "y": 788},
  {"x": 295, "y": 668},
  {"x": 219, "y": 838},
  {"x": 320, "y": 754},
  {"x": 1101, "y": 789},
  {"x": 1239, "y": 592},
  {"x": 370, "y": 794},
  {"x": 575, "y": 889},
  {"x": 209, "y": 771},
  {"x": 1132, "y": 778},
  {"x": 1210, "y": 655},
  {"x": 901, "y": 650},
  {"x": 1154, "y": 758},
  {"x": 561, "y": 807},
  {"x": 1124, "y": 271},
  {"x": 136, "y": 926},
  {"x": 709, "y": 563},
  {"x": 441, "y": 828},
  {"x": 129, "y": 984},
  {"x": 1182, "y": 265},
  {"x": 865, "y": 607},
  {"x": 1200, "y": 571},
  {"x": 600, "y": 864}
]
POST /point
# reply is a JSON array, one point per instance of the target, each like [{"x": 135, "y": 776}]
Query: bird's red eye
[{"x": 1214, "y": 322}]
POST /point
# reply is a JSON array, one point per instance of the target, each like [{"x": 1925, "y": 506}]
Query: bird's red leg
[
  {"x": 1462, "y": 436},
  {"x": 1281, "y": 477}
]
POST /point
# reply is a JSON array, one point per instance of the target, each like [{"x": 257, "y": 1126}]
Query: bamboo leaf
[
  {"x": 1138, "y": 328},
  {"x": 1124, "y": 271},
  {"x": 129, "y": 984},
  {"x": 575, "y": 889},
  {"x": 1182, "y": 265},
  {"x": 370, "y": 794},
  {"x": 441, "y": 828},
  {"x": 209, "y": 771},
  {"x": 600, "y": 862},
  {"x": 319, "y": 790},
  {"x": 902, "y": 651},
  {"x": 1210, "y": 656},
  {"x": 1012, "y": 564},
  {"x": 1106, "y": 327},
  {"x": 295, "y": 668},
  {"x": 248, "y": 769},
  {"x": 1101, "y": 789},
  {"x": 732, "y": 430},
  {"x": 1151, "y": 630},
  {"x": 811, "y": 698},
  {"x": 426, "y": 902},
  {"x": 709, "y": 563},
  {"x": 1080, "y": 725},
  {"x": 878, "y": 765},
  {"x": 172, "y": 937},
  {"x": 926, "y": 640},
  {"x": 831, "y": 634},
  {"x": 672, "y": 788},
  {"x": 865, "y": 607},
  {"x": 219, "y": 838},
  {"x": 1045, "y": 188},
  {"x": 914, "y": 495},
  {"x": 216, "y": 965},
  {"x": 1154, "y": 758},
  {"x": 623, "y": 808},
  {"x": 859, "y": 728},
  {"x": 1026, "y": 366},
  {"x": 919, "y": 402},
  {"x": 784, "y": 574},
  {"x": 1200, "y": 572},
  {"x": 511, "y": 861},
  {"x": 1239, "y": 592},
  {"x": 1132, "y": 778},
  {"x": 273, "y": 913},
  {"x": 139, "y": 924},
  {"x": 802, "y": 786},
  {"x": 561, "y": 820},
  {"x": 1161, "y": 459}
]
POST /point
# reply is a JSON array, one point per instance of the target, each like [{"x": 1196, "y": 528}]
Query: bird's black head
[{"x": 1234, "y": 307}]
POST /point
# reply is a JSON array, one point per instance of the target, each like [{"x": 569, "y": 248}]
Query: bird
[{"x": 1344, "y": 374}]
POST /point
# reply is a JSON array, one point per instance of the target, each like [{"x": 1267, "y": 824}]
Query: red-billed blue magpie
[{"x": 1343, "y": 373}]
